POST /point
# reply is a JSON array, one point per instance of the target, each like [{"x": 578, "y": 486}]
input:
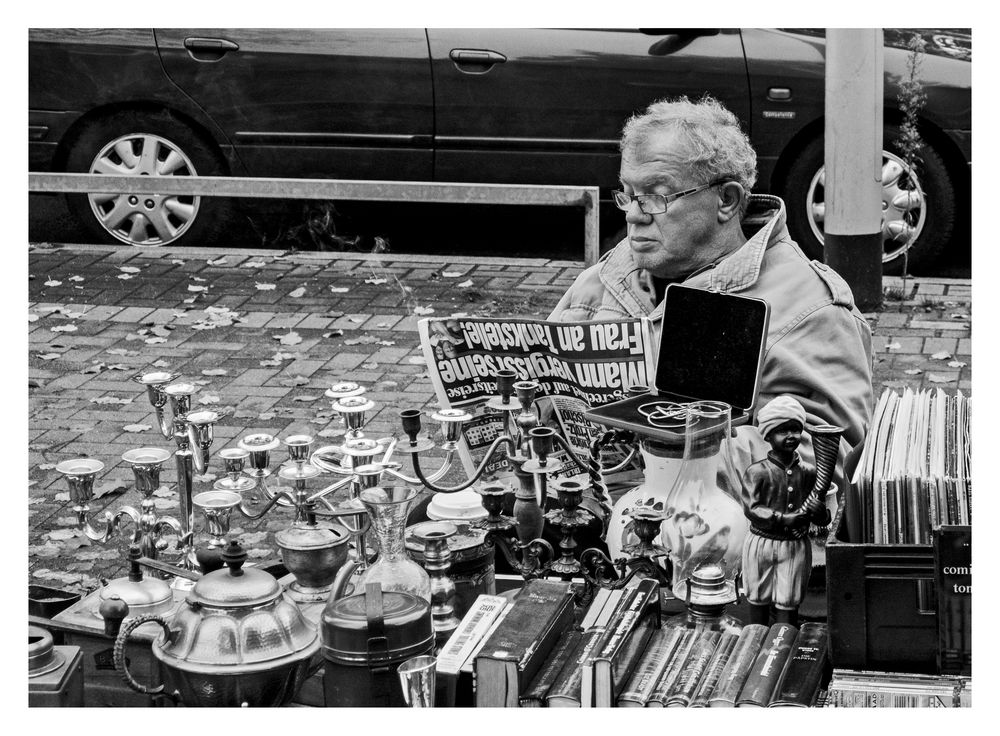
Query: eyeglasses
[{"x": 656, "y": 204}]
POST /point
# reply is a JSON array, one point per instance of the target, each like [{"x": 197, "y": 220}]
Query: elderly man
[{"x": 686, "y": 173}]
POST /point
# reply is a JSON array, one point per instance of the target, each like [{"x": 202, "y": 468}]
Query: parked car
[{"x": 525, "y": 106}]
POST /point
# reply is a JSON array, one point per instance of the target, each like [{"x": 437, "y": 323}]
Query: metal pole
[{"x": 853, "y": 160}]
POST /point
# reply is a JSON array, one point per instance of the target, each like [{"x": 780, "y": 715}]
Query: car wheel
[
  {"x": 147, "y": 144},
  {"x": 918, "y": 206}
]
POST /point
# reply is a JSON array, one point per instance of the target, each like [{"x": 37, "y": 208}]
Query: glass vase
[
  {"x": 393, "y": 568},
  {"x": 705, "y": 525}
]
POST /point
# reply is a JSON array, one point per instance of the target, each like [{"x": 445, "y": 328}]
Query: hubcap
[
  {"x": 150, "y": 219},
  {"x": 903, "y": 206}
]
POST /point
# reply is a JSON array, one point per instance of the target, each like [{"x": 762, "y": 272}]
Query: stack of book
[
  {"x": 914, "y": 473},
  {"x": 866, "y": 689}
]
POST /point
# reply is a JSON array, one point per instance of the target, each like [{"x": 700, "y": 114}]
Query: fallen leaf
[
  {"x": 254, "y": 264},
  {"x": 154, "y": 340},
  {"x": 333, "y": 432},
  {"x": 96, "y": 367},
  {"x": 333, "y": 333},
  {"x": 386, "y": 343},
  {"x": 289, "y": 338},
  {"x": 33, "y": 317},
  {"x": 423, "y": 310},
  {"x": 270, "y": 363},
  {"x": 110, "y": 400},
  {"x": 214, "y": 372},
  {"x": 53, "y": 282},
  {"x": 61, "y": 496},
  {"x": 192, "y": 287},
  {"x": 356, "y": 320},
  {"x": 117, "y": 367},
  {"x": 44, "y": 551},
  {"x": 369, "y": 366},
  {"x": 417, "y": 360},
  {"x": 64, "y": 328},
  {"x": 296, "y": 293},
  {"x": 61, "y": 535},
  {"x": 893, "y": 346},
  {"x": 47, "y": 466},
  {"x": 339, "y": 290},
  {"x": 362, "y": 340},
  {"x": 265, "y": 415},
  {"x": 294, "y": 381},
  {"x": 452, "y": 274},
  {"x": 383, "y": 325},
  {"x": 125, "y": 276},
  {"x": 191, "y": 300},
  {"x": 264, "y": 287},
  {"x": 935, "y": 378},
  {"x": 959, "y": 316},
  {"x": 136, "y": 427},
  {"x": 943, "y": 355},
  {"x": 957, "y": 364},
  {"x": 208, "y": 399},
  {"x": 177, "y": 262},
  {"x": 160, "y": 363},
  {"x": 121, "y": 351},
  {"x": 107, "y": 489},
  {"x": 375, "y": 281},
  {"x": 913, "y": 372},
  {"x": 465, "y": 284},
  {"x": 198, "y": 278},
  {"x": 49, "y": 356},
  {"x": 72, "y": 315},
  {"x": 76, "y": 278},
  {"x": 217, "y": 261},
  {"x": 283, "y": 356},
  {"x": 129, "y": 269}
]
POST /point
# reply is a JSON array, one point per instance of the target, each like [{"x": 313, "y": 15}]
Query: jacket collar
[
  {"x": 777, "y": 461},
  {"x": 633, "y": 287}
]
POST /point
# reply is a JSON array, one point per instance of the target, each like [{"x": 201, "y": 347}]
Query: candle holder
[
  {"x": 155, "y": 382},
  {"x": 644, "y": 558},
  {"x": 217, "y": 507},
  {"x": 434, "y": 535},
  {"x": 349, "y": 402}
]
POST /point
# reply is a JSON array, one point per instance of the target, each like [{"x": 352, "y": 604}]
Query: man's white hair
[{"x": 717, "y": 148}]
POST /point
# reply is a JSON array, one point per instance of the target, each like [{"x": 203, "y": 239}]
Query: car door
[
  {"x": 333, "y": 103},
  {"x": 547, "y": 105}
]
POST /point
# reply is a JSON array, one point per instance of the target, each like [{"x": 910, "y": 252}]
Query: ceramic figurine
[{"x": 780, "y": 501}]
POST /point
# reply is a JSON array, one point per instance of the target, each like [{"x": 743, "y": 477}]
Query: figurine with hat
[{"x": 777, "y": 500}]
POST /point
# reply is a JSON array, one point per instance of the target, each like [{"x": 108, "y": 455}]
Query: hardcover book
[
  {"x": 768, "y": 667},
  {"x": 799, "y": 685},
  {"x": 516, "y": 650},
  {"x": 723, "y": 652},
  {"x": 461, "y": 645},
  {"x": 658, "y": 698},
  {"x": 565, "y": 691},
  {"x": 659, "y": 649},
  {"x": 682, "y": 692},
  {"x": 538, "y": 688},
  {"x": 736, "y": 671},
  {"x": 624, "y": 640}
]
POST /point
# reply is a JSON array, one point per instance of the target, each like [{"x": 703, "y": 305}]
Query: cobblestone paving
[{"x": 264, "y": 334}]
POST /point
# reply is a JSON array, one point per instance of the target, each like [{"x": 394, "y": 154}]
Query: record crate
[{"x": 883, "y": 604}]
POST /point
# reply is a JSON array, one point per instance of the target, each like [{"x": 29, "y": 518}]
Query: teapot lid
[{"x": 235, "y": 587}]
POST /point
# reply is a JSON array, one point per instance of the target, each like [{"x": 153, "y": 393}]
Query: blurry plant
[
  {"x": 310, "y": 225},
  {"x": 911, "y": 99}
]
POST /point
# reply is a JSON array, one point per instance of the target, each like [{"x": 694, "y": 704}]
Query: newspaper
[{"x": 577, "y": 365}]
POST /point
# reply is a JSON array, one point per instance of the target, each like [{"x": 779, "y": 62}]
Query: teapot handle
[{"x": 119, "y": 654}]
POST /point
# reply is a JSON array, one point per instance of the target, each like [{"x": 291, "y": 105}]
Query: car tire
[
  {"x": 939, "y": 216},
  {"x": 114, "y": 144}
]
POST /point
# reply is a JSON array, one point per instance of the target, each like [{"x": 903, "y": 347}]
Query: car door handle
[
  {"x": 209, "y": 49},
  {"x": 480, "y": 60}
]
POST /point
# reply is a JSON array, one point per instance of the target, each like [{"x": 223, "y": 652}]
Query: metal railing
[{"x": 338, "y": 189}]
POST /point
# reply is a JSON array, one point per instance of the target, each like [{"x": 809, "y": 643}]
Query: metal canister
[
  {"x": 472, "y": 569},
  {"x": 365, "y": 639}
]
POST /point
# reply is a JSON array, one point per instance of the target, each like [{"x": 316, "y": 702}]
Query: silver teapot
[{"x": 236, "y": 640}]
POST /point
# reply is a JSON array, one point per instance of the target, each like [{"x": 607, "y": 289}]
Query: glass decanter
[
  {"x": 393, "y": 568},
  {"x": 705, "y": 524}
]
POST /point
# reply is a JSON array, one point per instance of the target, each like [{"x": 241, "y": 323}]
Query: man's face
[
  {"x": 677, "y": 242},
  {"x": 786, "y": 436}
]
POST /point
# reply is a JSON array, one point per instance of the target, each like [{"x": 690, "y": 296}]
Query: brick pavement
[{"x": 100, "y": 314}]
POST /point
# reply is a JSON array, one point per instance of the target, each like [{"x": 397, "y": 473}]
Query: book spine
[
  {"x": 658, "y": 698},
  {"x": 566, "y": 689},
  {"x": 768, "y": 667},
  {"x": 735, "y": 674},
  {"x": 538, "y": 688},
  {"x": 473, "y": 627},
  {"x": 800, "y": 681},
  {"x": 723, "y": 651},
  {"x": 650, "y": 668},
  {"x": 693, "y": 669},
  {"x": 609, "y": 636}
]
